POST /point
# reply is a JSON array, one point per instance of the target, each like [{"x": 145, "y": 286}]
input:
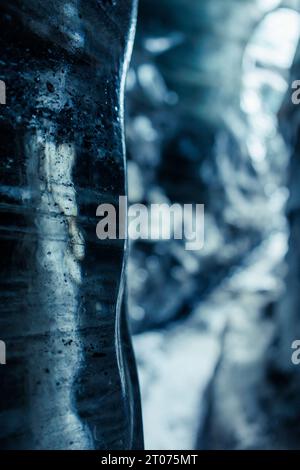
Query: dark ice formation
[{"x": 70, "y": 380}]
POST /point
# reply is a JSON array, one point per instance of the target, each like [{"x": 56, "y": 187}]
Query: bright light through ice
[
  {"x": 275, "y": 40},
  {"x": 267, "y": 61}
]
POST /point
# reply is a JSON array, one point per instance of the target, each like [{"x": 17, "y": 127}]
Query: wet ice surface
[{"x": 70, "y": 383}]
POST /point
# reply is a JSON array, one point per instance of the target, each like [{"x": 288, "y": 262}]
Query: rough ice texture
[{"x": 70, "y": 380}]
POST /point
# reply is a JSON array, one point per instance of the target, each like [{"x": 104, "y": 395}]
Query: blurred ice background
[{"x": 206, "y": 82}]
